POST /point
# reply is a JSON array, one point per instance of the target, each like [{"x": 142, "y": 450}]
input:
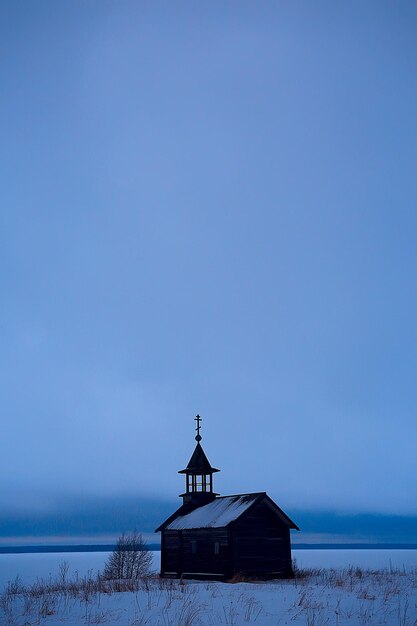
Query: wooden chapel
[{"x": 219, "y": 537}]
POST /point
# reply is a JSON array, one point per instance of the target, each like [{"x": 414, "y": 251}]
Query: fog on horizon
[{"x": 209, "y": 208}]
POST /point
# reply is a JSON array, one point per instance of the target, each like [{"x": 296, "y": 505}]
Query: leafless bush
[
  {"x": 189, "y": 613},
  {"x": 304, "y": 573},
  {"x": 15, "y": 586},
  {"x": 252, "y": 608},
  {"x": 130, "y": 560},
  {"x": 63, "y": 571},
  {"x": 47, "y": 605}
]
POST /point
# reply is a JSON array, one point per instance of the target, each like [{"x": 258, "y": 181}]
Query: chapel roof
[{"x": 221, "y": 512}]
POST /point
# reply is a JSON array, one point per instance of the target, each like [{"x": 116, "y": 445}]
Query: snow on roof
[{"x": 217, "y": 514}]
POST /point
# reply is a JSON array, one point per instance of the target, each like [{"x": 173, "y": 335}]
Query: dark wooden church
[{"x": 219, "y": 537}]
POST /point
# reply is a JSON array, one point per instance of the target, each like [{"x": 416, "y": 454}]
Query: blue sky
[{"x": 209, "y": 207}]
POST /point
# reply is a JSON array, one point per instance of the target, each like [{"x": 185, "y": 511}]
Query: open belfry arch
[{"x": 218, "y": 537}]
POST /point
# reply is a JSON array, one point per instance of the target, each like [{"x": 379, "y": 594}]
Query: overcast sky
[{"x": 209, "y": 207}]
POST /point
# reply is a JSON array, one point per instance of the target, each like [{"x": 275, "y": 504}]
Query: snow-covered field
[
  {"x": 333, "y": 597},
  {"x": 29, "y": 567},
  {"x": 343, "y": 596}
]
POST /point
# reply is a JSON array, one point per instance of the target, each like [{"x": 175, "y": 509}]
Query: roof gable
[{"x": 280, "y": 513}]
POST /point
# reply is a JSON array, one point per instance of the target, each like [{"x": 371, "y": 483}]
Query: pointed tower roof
[{"x": 199, "y": 463}]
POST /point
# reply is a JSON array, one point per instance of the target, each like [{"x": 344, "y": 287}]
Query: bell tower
[{"x": 198, "y": 474}]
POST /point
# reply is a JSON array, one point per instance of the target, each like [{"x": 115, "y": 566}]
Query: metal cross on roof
[{"x": 198, "y": 420}]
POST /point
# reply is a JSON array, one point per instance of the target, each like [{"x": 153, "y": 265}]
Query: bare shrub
[
  {"x": 189, "y": 612},
  {"x": 47, "y": 605},
  {"x": 63, "y": 572},
  {"x": 130, "y": 560}
]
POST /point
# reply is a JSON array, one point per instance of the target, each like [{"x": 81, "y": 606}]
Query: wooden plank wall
[
  {"x": 179, "y": 557},
  {"x": 261, "y": 544}
]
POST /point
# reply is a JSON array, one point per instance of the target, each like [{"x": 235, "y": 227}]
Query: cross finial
[{"x": 198, "y": 420}]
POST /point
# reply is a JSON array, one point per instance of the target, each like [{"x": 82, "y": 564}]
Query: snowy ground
[{"x": 335, "y": 597}]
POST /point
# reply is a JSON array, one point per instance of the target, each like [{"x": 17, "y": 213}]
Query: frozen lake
[
  {"x": 31, "y": 566},
  {"x": 368, "y": 559}
]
